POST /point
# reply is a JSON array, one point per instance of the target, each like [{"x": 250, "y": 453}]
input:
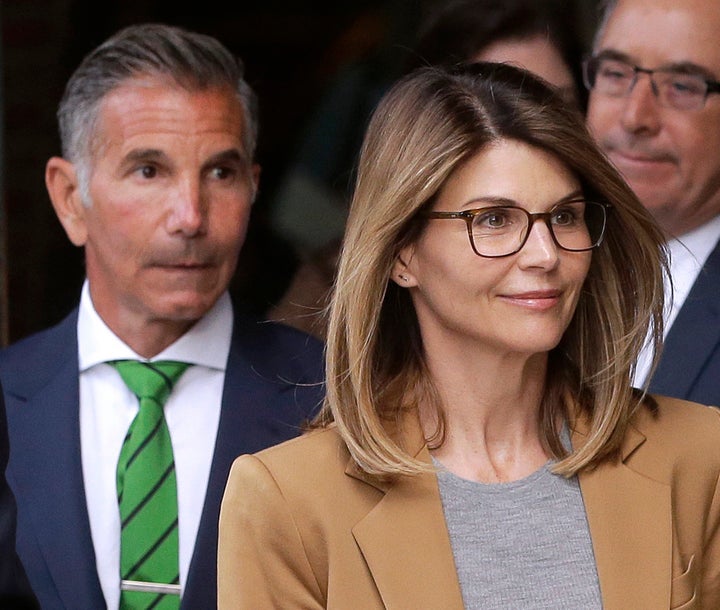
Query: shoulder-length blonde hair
[{"x": 424, "y": 128}]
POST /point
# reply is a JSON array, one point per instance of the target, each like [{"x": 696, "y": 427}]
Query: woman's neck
[{"x": 491, "y": 405}]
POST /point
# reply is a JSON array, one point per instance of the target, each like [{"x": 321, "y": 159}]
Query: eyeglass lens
[
  {"x": 672, "y": 88},
  {"x": 500, "y": 231}
]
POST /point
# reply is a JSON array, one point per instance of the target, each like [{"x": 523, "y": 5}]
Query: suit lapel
[
  {"x": 631, "y": 525},
  {"x": 251, "y": 419},
  {"x": 49, "y": 481},
  {"x": 232, "y": 435},
  {"x": 693, "y": 336},
  {"x": 404, "y": 539},
  {"x": 405, "y": 543}
]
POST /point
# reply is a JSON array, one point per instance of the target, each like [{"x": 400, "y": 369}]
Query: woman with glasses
[{"x": 480, "y": 445}]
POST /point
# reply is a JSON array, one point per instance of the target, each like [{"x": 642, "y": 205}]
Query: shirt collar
[
  {"x": 207, "y": 343},
  {"x": 694, "y": 246}
]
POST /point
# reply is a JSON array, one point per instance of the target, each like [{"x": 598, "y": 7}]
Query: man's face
[
  {"x": 670, "y": 157},
  {"x": 171, "y": 189}
]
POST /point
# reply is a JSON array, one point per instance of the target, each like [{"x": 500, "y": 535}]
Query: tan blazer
[{"x": 302, "y": 527}]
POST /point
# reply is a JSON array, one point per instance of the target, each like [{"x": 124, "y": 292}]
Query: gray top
[{"x": 521, "y": 545}]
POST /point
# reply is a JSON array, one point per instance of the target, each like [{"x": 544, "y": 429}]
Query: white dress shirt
[
  {"x": 107, "y": 407},
  {"x": 688, "y": 253}
]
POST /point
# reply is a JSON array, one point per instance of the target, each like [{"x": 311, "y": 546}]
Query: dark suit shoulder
[
  {"x": 275, "y": 349},
  {"x": 30, "y": 362},
  {"x": 690, "y": 362}
]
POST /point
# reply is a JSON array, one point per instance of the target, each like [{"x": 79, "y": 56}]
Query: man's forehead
[
  {"x": 141, "y": 114},
  {"x": 658, "y": 32}
]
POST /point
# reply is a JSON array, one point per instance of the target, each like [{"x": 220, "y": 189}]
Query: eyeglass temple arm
[
  {"x": 436, "y": 214},
  {"x": 713, "y": 86}
]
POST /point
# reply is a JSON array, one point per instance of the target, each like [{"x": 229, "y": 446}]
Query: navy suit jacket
[
  {"x": 690, "y": 363},
  {"x": 272, "y": 385},
  {"x": 14, "y": 588}
]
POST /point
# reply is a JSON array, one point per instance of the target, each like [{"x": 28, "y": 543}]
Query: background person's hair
[
  {"x": 605, "y": 9},
  {"x": 427, "y": 126},
  {"x": 191, "y": 60},
  {"x": 460, "y": 29}
]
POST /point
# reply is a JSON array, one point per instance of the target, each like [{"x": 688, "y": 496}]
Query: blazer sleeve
[
  {"x": 711, "y": 573},
  {"x": 261, "y": 557}
]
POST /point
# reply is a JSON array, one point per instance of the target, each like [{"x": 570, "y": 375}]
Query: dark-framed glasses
[
  {"x": 496, "y": 231},
  {"x": 681, "y": 89}
]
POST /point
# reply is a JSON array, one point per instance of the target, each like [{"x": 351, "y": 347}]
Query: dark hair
[
  {"x": 460, "y": 29},
  {"x": 190, "y": 59}
]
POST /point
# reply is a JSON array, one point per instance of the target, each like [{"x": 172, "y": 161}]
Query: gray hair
[
  {"x": 194, "y": 61},
  {"x": 605, "y": 9}
]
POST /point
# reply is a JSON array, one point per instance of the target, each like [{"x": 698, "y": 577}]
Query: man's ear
[
  {"x": 401, "y": 273},
  {"x": 62, "y": 184}
]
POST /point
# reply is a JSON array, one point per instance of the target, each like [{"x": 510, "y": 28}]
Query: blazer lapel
[
  {"x": 405, "y": 542},
  {"x": 631, "y": 525},
  {"x": 693, "y": 336},
  {"x": 49, "y": 482}
]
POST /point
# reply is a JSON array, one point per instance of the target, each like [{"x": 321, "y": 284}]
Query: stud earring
[{"x": 403, "y": 278}]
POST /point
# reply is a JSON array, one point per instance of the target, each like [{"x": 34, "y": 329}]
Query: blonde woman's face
[{"x": 518, "y": 304}]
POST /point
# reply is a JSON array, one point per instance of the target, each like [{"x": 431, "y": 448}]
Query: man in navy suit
[
  {"x": 655, "y": 108},
  {"x": 156, "y": 183}
]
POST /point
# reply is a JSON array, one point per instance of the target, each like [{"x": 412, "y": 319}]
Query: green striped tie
[{"x": 147, "y": 492}]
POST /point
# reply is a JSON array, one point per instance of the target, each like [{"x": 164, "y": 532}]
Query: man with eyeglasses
[{"x": 654, "y": 108}]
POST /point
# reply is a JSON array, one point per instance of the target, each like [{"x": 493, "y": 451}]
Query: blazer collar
[
  {"x": 404, "y": 539},
  {"x": 630, "y": 522},
  {"x": 405, "y": 543}
]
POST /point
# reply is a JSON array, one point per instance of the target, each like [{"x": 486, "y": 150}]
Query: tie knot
[{"x": 150, "y": 379}]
